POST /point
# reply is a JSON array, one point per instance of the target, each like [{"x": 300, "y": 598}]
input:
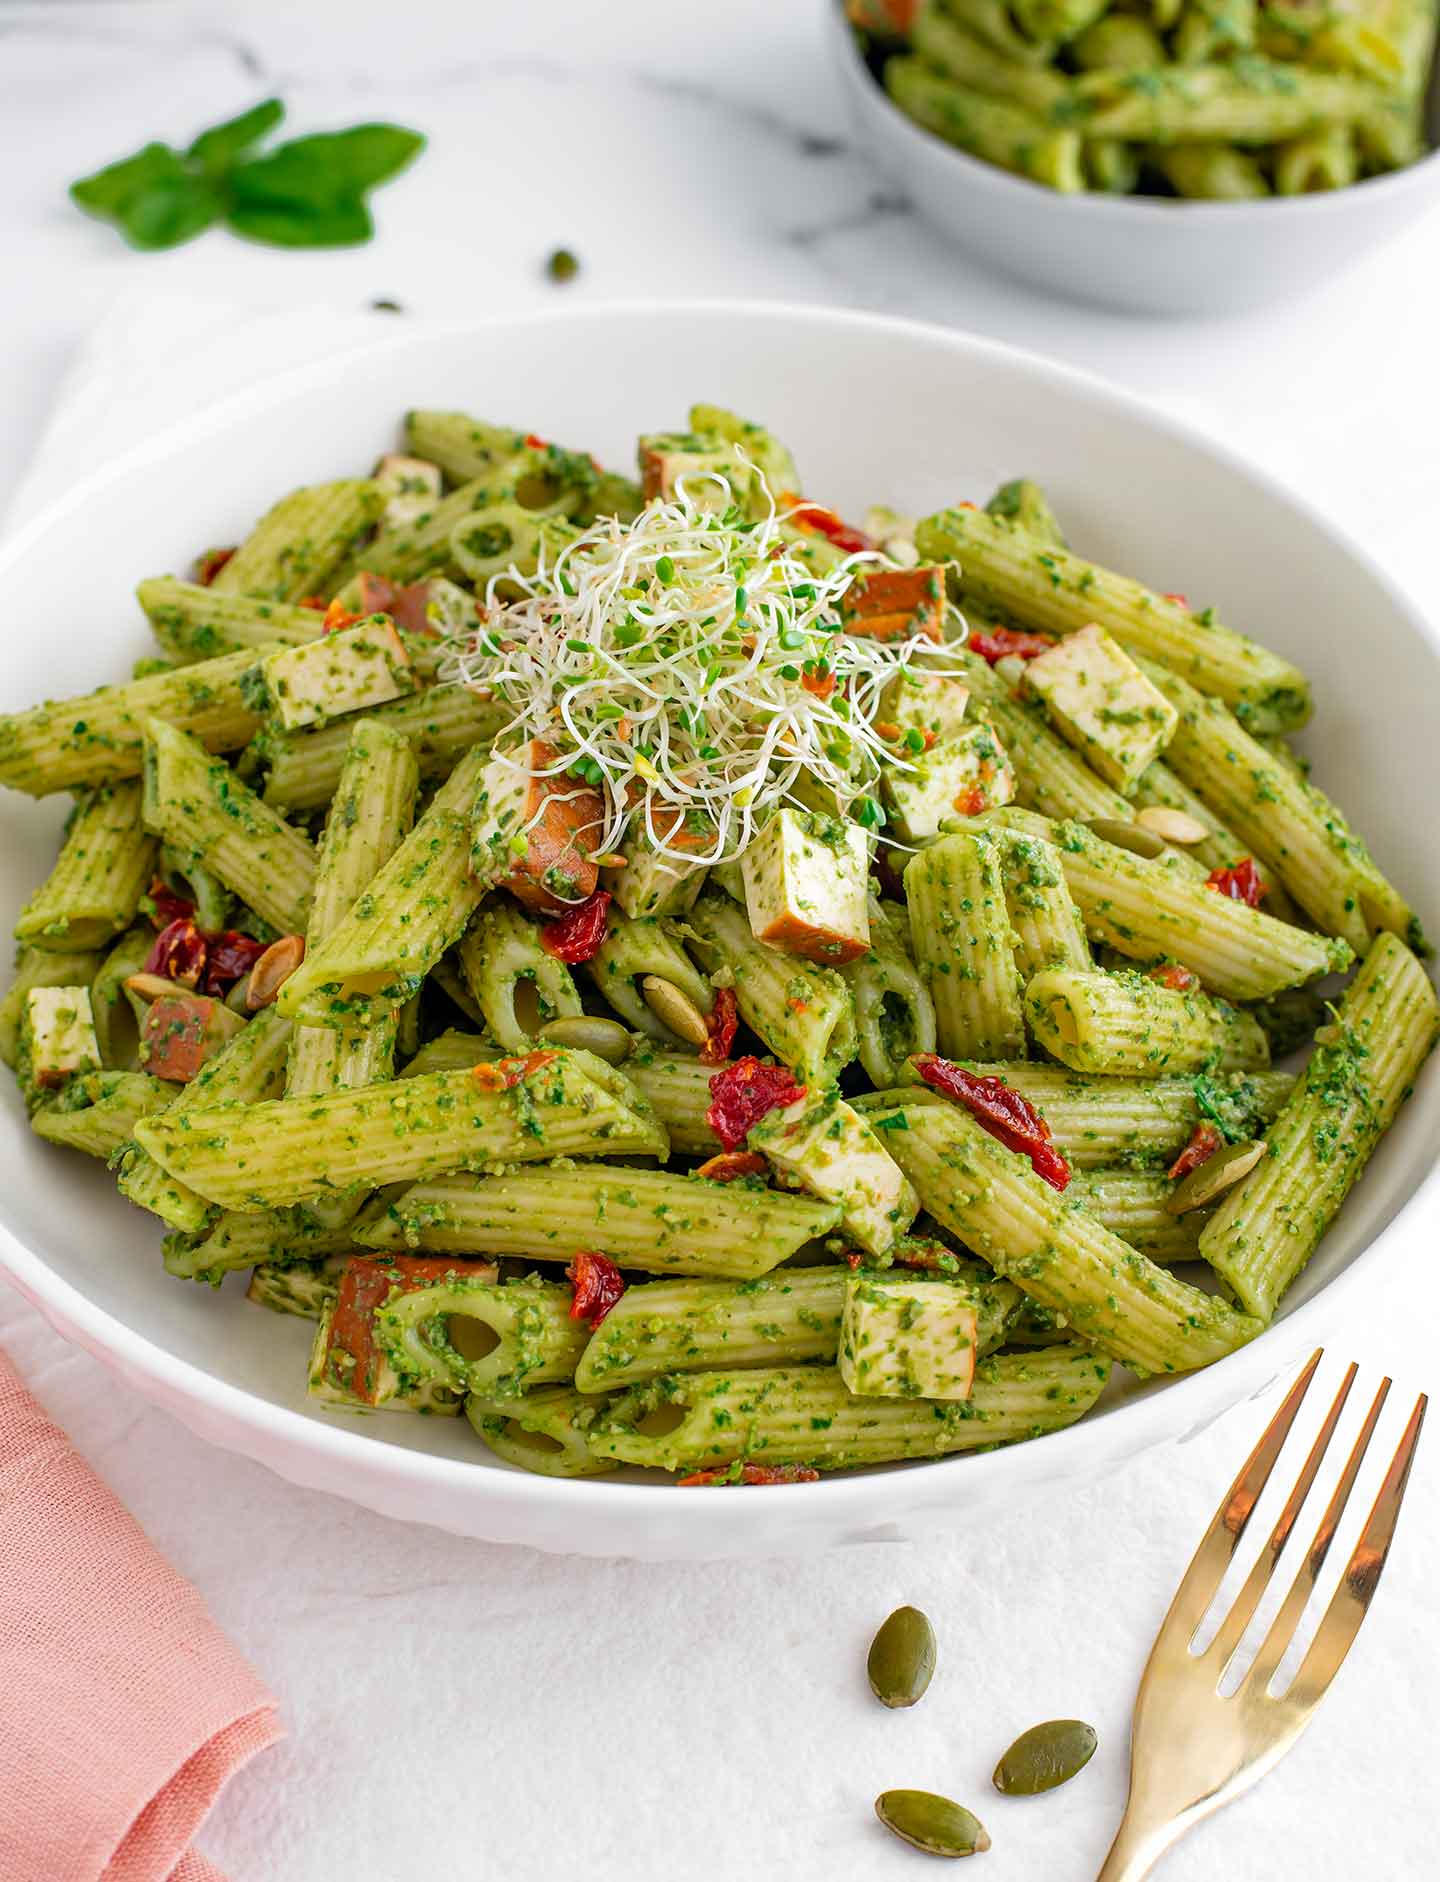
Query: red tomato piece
[
  {"x": 1242, "y": 883},
  {"x": 1205, "y": 1140},
  {"x": 730, "y": 1165},
  {"x": 536, "y": 443},
  {"x": 166, "y": 906},
  {"x": 999, "y": 642},
  {"x": 210, "y": 564},
  {"x": 749, "y": 1473},
  {"x": 1009, "y": 1118},
  {"x": 1181, "y": 601},
  {"x": 353, "y": 1360},
  {"x": 579, "y": 934},
  {"x": 971, "y": 801},
  {"x": 181, "y": 1031},
  {"x": 821, "y": 682},
  {"x": 721, "y": 1027},
  {"x": 337, "y": 617},
  {"x": 178, "y": 952},
  {"x": 744, "y": 1093},
  {"x": 597, "y": 1285},
  {"x": 229, "y": 957},
  {"x": 506, "y": 1074},
  {"x": 816, "y": 520},
  {"x": 1178, "y": 979}
]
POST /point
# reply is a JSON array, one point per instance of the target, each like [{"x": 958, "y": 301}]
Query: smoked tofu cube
[
  {"x": 895, "y": 604},
  {"x": 902, "y": 1337},
  {"x": 183, "y": 1030},
  {"x": 361, "y": 666},
  {"x": 57, "y": 1038},
  {"x": 534, "y": 834},
  {"x": 1100, "y": 702},
  {"x": 824, "y": 1145},
  {"x": 410, "y": 485},
  {"x": 653, "y": 882},
  {"x": 805, "y": 886},
  {"x": 960, "y": 776},
  {"x": 434, "y": 608},
  {"x": 754, "y": 467},
  {"x": 932, "y": 704}
]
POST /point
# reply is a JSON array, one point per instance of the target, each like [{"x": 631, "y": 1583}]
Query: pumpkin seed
[
  {"x": 273, "y": 969},
  {"x": 1127, "y": 836},
  {"x": 1208, "y": 1179},
  {"x": 931, "y": 1823},
  {"x": 153, "y": 986},
  {"x": 1044, "y": 1757},
  {"x": 606, "y": 1038},
  {"x": 674, "y": 1009},
  {"x": 902, "y": 1658},
  {"x": 1176, "y": 826}
]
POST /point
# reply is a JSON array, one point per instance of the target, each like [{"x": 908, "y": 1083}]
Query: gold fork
[{"x": 1193, "y": 1748}]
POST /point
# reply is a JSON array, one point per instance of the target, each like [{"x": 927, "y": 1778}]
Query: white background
[{"x": 456, "y": 1709}]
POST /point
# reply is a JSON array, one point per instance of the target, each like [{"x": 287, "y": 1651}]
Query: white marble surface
[{"x": 458, "y": 1709}]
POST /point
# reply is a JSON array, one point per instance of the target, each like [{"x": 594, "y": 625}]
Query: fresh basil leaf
[
  {"x": 218, "y": 147},
  {"x": 330, "y": 167},
  {"x": 302, "y": 225},
  {"x": 152, "y": 197}
]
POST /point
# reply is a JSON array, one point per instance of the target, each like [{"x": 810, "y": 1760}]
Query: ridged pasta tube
[
  {"x": 102, "y": 870},
  {"x": 805, "y": 1414},
  {"x": 97, "y": 1114},
  {"x": 1212, "y": 172},
  {"x": 992, "y": 128},
  {"x": 1324, "y": 160},
  {"x": 296, "y": 545},
  {"x": 1048, "y": 587},
  {"x": 963, "y": 55},
  {"x": 1044, "y": 920},
  {"x": 544, "y": 1431},
  {"x": 1128, "y": 1025},
  {"x": 1269, "y": 1225},
  {"x": 1250, "y": 100},
  {"x": 646, "y": 1219},
  {"x": 894, "y": 1014},
  {"x": 1164, "y": 788},
  {"x": 194, "y": 622},
  {"x": 515, "y": 983},
  {"x": 1214, "y": 29},
  {"x": 677, "y": 1087},
  {"x": 302, "y": 768},
  {"x": 480, "y": 1336},
  {"x": 1109, "y": 1293},
  {"x": 964, "y": 947},
  {"x": 112, "y": 1005},
  {"x": 802, "y": 1012},
  {"x": 1131, "y": 1204},
  {"x": 464, "y": 447}
]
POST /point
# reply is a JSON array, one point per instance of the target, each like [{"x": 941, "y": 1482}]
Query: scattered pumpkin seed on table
[
  {"x": 902, "y": 1658},
  {"x": 1045, "y": 1757},
  {"x": 934, "y": 1824}
]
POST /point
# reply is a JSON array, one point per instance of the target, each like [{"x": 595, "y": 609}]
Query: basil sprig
[{"x": 308, "y": 193}]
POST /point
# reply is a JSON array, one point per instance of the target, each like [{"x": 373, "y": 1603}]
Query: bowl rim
[
  {"x": 1188, "y": 1400},
  {"x": 1098, "y": 203}
]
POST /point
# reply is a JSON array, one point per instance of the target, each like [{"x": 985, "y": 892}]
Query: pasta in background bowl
[
  {"x": 1010, "y": 176},
  {"x": 943, "y": 417}
]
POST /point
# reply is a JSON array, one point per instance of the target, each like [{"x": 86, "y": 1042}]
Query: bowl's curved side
[
  {"x": 1136, "y": 254},
  {"x": 941, "y": 414}
]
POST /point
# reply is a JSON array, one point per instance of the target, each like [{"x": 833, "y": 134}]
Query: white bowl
[
  {"x": 1141, "y": 254},
  {"x": 876, "y": 410}
]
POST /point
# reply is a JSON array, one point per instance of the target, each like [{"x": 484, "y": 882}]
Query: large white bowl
[
  {"x": 876, "y": 410},
  {"x": 1141, "y": 254}
]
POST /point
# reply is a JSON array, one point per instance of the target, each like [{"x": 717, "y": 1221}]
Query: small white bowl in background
[{"x": 1141, "y": 254}]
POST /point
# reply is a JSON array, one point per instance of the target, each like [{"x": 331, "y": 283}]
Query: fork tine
[
  {"x": 1282, "y": 1628},
  {"x": 1351, "y": 1601},
  {"x": 1232, "y": 1628},
  {"x": 1222, "y": 1538}
]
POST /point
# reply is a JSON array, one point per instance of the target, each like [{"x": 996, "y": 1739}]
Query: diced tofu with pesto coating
[
  {"x": 534, "y": 828},
  {"x": 653, "y": 881},
  {"x": 895, "y": 604},
  {"x": 821, "y": 1144},
  {"x": 360, "y": 666},
  {"x": 410, "y": 486},
  {"x": 959, "y": 776},
  {"x": 1100, "y": 702},
  {"x": 908, "y": 1338},
  {"x": 806, "y": 886},
  {"x": 57, "y": 1037},
  {"x": 746, "y": 460},
  {"x": 930, "y": 704}
]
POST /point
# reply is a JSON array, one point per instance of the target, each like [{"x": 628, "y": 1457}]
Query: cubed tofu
[
  {"x": 358, "y": 667},
  {"x": 1100, "y": 702},
  {"x": 932, "y": 704},
  {"x": 805, "y": 886},
  {"x": 959, "y": 776},
  {"x": 57, "y": 1036},
  {"x": 183, "y": 1030},
  {"x": 763, "y": 449},
  {"x": 348, "y": 1366},
  {"x": 901, "y": 1337},
  {"x": 535, "y": 834},
  {"x": 753, "y": 469},
  {"x": 652, "y": 882},
  {"x": 895, "y": 604},
  {"x": 822, "y": 1144},
  {"x": 411, "y": 486},
  {"x": 435, "y": 607}
]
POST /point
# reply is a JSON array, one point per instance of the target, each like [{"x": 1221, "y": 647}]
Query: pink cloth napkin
[{"x": 123, "y": 1708}]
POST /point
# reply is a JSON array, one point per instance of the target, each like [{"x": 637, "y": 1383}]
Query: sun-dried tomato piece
[
  {"x": 229, "y": 957},
  {"x": 1172, "y": 975},
  {"x": 178, "y": 952},
  {"x": 818, "y": 520},
  {"x": 744, "y": 1093},
  {"x": 731, "y": 1165},
  {"x": 1205, "y": 1140},
  {"x": 999, "y": 1109},
  {"x": 999, "y": 642},
  {"x": 821, "y": 682},
  {"x": 1173, "y": 594},
  {"x": 598, "y": 1284},
  {"x": 506, "y": 1074},
  {"x": 209, "y": 565},
  {"x": 338, "y": 617},
  {"x": 166, "y": 906},
  {"x": 720, "y": 1027},
  {"x": 1242, "y": 882},
  {"x": 579, "y": 934},
  {"x": 971, "y": 801},
  {"x": 749, "y": 1473}
]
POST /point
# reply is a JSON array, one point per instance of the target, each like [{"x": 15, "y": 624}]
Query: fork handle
[{"x": 1137, "y": 1848}]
